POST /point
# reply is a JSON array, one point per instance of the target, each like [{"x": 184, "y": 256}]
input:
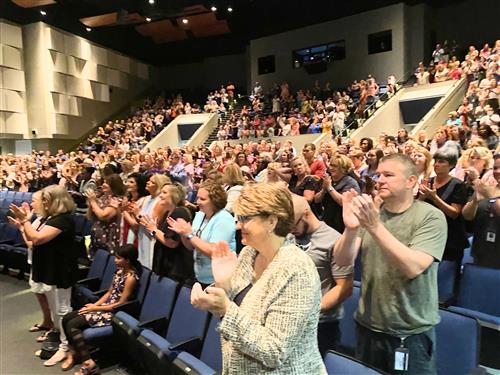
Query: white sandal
[{"x": 59, "y": 356}]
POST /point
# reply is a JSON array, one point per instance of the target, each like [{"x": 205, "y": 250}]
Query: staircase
[{"x": 236, "y": 110}]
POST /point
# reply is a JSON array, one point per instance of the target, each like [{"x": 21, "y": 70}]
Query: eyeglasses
[{"x": 243, "y": 219}]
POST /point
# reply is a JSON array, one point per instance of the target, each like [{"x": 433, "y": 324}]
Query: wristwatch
[
  {"x": 331, "y": 188},
  {"x": 189, "y": 236},
  {"x": 153, "y": 233}
]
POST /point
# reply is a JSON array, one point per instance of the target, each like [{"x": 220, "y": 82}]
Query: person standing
[
  {"x": 401, "y": 242},
  {"x": 317, "y": 240}
]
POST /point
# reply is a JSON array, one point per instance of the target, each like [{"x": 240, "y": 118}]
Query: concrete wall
[
  {"x": 357, "y": 64},
  {"x": 207, "y": 74}
]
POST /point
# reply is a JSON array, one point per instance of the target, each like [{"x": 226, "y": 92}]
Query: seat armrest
[
  {"x": 91, "y": 282},
  {"x": 130, "y": 307},
  {"x": 191, "y": 345},
  {"x": 6, "y": 242},
  {"x": 159, "y": 325},
  {"x": 100, "y": 293}
]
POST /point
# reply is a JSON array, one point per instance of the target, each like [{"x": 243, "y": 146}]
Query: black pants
[
  {"x": 328, "y": 336},
  {"x": 73, "y": 325},
  {"x": 377, "y": 349}
]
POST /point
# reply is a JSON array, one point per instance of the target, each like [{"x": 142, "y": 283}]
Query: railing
[{"x": 372, "y": 108}]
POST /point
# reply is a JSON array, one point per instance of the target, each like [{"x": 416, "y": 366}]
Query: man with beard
[{"x": 317, "y": 240}]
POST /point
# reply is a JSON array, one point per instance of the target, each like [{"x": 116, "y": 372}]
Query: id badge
[
  {"x": 401, "y": 356},
  {"x": 491, "y": 236}
]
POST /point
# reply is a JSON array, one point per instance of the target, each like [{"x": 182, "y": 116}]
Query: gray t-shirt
[
  {"x": 390, "y": 302},
  {"x": 319, "y": 246}
]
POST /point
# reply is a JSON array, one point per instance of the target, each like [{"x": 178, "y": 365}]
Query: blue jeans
[{"x": 377, "y": 350}]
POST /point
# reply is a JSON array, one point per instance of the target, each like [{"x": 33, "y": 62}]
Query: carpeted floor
[{"x": 18, "y": 311}]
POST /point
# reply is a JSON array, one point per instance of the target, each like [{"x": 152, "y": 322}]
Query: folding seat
[
  {"x": 154, "y": 314},
  {"x": 89, "y": 290},
  {"x": 446, "y": 281},
  {"x": 478, "y": 295},
  {"x": 185, "y": 333},
  {"x": 457, "y": 337},
  {"x": 347, "y": 323},
  {"x": 100, "y": 336},
  {"x": 10, "y": 195},
  {"x": 337, "y": 363},
  {"x": 210, "y": 361},
  {"x": 18, "y": 198},
  {"x": 11, "y": 238},
  {"x": 81, "y": 225}
]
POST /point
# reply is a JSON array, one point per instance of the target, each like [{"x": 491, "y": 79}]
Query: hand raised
[
  {"x": 224, "y": 262},
  {"x": 350, "y": 219}
]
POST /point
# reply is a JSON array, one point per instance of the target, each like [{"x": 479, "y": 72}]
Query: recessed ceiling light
[
  {"x": 88, "y": 29},
  {"x": 148, "y": 19},
  {"x": 151, "y": 2},
  {"x": 43, "y": 13},
  {"x": 213, "y": 8},
  {"x": 185, "y": 21},
  {"x": 229, "y": 9}
]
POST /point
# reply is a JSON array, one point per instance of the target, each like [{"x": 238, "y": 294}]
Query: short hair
[
  {"x": 177, "y": 193},
  {"x": 140, "y": 180},
  {"x": 368, "y": 140},
  {"x": 58, "y": 200},
  {"x": 233, "y": 175},
  {"x": 268, "y": 199},
  {"x": 448, "y": 153},
  {"x": 303, "y": 161},
  {"x": 341, "y": 162},
  {"x": 116, "y": 185},
  {"x": 216, "y": 193},
  {"x": 41, "y": 209},
  {"x": 312, "y": 146},
  {"x": 409, "y": 165}
]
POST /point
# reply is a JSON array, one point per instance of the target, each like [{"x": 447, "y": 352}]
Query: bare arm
[
  {"x": 339, "y": 293},
  {"x": 46, "y": 234}
]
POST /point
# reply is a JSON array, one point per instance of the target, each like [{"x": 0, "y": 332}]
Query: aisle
[{"x": 18, "y": 311}]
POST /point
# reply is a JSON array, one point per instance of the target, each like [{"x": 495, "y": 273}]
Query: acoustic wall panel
[
  {"x": 11, "y": 57},
  {"x": 15, "y": 123},
  {"x": 112, "y": 60},
  {"x": 99, "y": 55},
  {"x": 61, "y": 124},
  {"x": 58, "y": 83},
  {"x": 12, "y": 79},
  {"x": 54, "y": 40},
  {"x": 123, "y": 64},
  {"x": 142, "y": 70},
  {"x": 59, "y": 61},
  {"x": 100, "y": 92},
  {"x": 11, "y": 35},
  {"x": 11, "y": 101}
]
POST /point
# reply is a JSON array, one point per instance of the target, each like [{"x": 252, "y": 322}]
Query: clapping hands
[{"x": 360, "y": 210}]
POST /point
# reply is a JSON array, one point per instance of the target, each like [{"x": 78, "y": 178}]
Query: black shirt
[
  {"x": 485, "y": 249},
  {"x": 332, "y": 211},
  {"x": 55, "y": 262}
]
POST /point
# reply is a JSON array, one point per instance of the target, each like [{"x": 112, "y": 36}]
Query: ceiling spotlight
[
  {"x": 213, "y": 8},
  {"x": 229, "y": 9},
  {"x": 151, "y": 2},
  {"x": 88, "y": 29},
  {"x": 148, "y": 19},
  {"x": 185, "y": 21},
  {"x": 43, "y": 13}
]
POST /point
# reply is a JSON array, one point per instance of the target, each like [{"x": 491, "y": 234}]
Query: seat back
[
  {"x": 187, "y": 321},
  {"x": 347, "y": 323},
  {"x": 457, "y": 339},
  {"x": 446, "y": 279},
  {"x": 99, "y": 264},
  {"x": 211, "y": 352},
  {"x": 337, "y": 363},
  {"x": 159, "y": 298},
  {"x": 477, "y": 288},
  {"x": 9, "y": 232},
  {"x": 109, "y": 271},
  {"x": 143, "y": 284}
]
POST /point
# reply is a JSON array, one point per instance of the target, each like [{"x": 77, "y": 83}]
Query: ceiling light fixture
[
  {"x": 185, "y": 21},
  {"x": 43, "y": 13},
  {"x": 151, "y": 2},
  {"x": 148, "y": 19},
  {"x": 213, "y": 8},
  {"x": 229, "y": 9},
  {"x": 88, "y": 29}
]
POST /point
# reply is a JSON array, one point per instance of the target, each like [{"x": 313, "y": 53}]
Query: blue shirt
[{"x": 221, "y": 227}]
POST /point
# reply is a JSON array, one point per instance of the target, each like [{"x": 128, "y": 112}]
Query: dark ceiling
[{"x": 248, "y": 20}]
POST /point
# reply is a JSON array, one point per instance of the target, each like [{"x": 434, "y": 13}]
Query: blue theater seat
[
  {"x": 337, "y": 363},
  {"x": 347, "y": 323},
  {"x": 184, "y": 333}
]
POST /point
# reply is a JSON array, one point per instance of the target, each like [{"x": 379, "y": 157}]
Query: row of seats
[
  {"x": 156, "y": 328},
  {"x": 8, "y": 197}
]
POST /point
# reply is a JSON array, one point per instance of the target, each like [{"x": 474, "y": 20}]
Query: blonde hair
[
  {"x": 233, "y": 175},
  {"x": 303, "y": 161},
  {"x": 177, "y": 193},
  {"x": 58, "y": 201},
  {"x": 268, "y": 199},
  {"x": 428, "y": 160},
  {"x": 342, "y": 162},
  {"x": 41, "y": 210},
  {"x": 160, "y": 180},
  {"x": 482, "y": 152}
]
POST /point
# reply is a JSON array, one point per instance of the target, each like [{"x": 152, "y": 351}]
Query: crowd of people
[{"x": 226, "y": 219}]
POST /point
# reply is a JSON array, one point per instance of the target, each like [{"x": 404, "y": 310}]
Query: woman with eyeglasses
[
  {"x": 269, "y": 297},
  {"x": 211, "y": 224},
  {"x": 170, "y": 256}
]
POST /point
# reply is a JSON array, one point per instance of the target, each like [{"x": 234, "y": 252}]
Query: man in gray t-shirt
[
  {"x": 401, "y": 242},
  {"x": 317, "y": 240}
]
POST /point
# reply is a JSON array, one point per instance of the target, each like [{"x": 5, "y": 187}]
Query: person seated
[{"x": 99, "y": 314}]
